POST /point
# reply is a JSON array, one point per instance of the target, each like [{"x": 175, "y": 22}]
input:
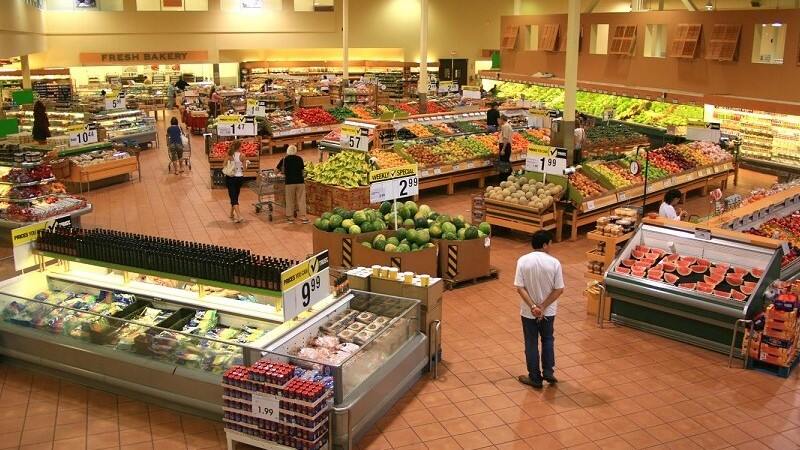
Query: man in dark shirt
[
  {"x": 492, "y": 117},
  {"x": 292, "y": 167},
  {"x": 182, "y": 84}
]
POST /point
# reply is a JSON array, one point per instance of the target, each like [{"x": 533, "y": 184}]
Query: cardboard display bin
[{"x": 464, "y": 260}]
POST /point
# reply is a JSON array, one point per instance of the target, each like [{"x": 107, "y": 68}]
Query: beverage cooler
[{"x": 690, "y": 284}]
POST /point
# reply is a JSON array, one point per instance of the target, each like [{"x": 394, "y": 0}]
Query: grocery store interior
[{"x": 346, "y": 224}]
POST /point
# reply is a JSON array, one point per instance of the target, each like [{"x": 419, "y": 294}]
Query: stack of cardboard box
[{"x": 775, "y": 336}]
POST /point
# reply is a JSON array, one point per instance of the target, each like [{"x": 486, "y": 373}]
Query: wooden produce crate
[
  {"x": 464, "y": 260},
  {"x": 322, "y": 197},
  {"x": 310, "y": 101},
  {"x": 523, "y": 218}
]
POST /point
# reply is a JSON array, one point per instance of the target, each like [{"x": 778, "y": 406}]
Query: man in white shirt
[
  {"x": 539, "y": 282},
  {"x": 667, "y": 208},
  {"x": 504, "y": 155}
]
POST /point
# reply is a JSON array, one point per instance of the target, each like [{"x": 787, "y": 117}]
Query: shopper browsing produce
[
  {"x": 175, "y": 145},
  {"x": 492, "y": 117},
  {"x": 539, "y": 283},
  {"x": 181, "y": 84},
  {"x": 504, "y": 154},
  {"x": 292, "y": 167},
  {"x": 235, "y": 164},
  {"x": 215, "y": 103},
  {"x": 667, "y": 208},
  {"x": 41, "y": 124},
  {"x": 580, "y": 138}
]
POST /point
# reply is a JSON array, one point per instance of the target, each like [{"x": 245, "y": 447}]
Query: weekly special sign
[{"x": 393, "y": 183}]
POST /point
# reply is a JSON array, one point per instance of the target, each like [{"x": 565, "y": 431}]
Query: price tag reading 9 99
[{"x": 305, "y": 284}]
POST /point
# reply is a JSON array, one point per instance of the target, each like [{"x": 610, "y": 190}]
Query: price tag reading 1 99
[{"x": 266, "y": 406}]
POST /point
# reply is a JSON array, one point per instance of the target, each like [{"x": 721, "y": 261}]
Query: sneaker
[
  {"x": 551, "y": 379},
  {"x": 304, "y": 221},
  {"x": 524, "y": 379}
]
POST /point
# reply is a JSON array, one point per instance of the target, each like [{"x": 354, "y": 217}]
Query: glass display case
[
  {"x": 373, "y": 347},
  {"x": 164, "y": 336},
  {"x": 690, "y": 284}
]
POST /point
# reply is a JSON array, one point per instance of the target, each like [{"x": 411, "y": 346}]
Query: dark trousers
[
  {"x": 234, "y": 185},
  {"x": 532, "y": 330}
]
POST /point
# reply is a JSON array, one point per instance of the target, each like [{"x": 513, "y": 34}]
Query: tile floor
[{"x": 619, "y": 388}]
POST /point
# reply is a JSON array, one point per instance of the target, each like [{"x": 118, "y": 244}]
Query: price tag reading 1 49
[
  {"x": 549, "y": 160},
  {"x": 305, "y": 284}
]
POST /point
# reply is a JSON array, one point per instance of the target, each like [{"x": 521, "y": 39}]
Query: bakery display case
[
  {"x": 689, "y": 283},
  {"x": 372, "y": 346},
  {"x": 165, "y": 336}
]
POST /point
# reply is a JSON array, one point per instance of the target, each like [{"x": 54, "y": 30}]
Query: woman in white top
[
  {"x": 667, "y": 208},
  {"x": 234, "y": 182}
]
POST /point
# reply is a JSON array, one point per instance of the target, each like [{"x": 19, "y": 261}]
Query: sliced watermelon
[
  {"x": 689, "y": 286},
  {"x": 690, "y": 259},
  {"x": 757, "y": 273},
  {"x": 652, "y": 255},
  {"x": 641, "y": 265},
  {"x": 622, "y": 270},
  {"x": 711, "y": 280},
  {"x": 671, "y": 257},
  {"x": 655, "y": 275},
  {"x": 734, "y": 279},
  {"x": 703, "y": 262},
  {"x": 736, "y": 295},
  {"x": 638, "y": 254},
  {"x": 637, "y": 273},
  {"x": 628, "y": 262},
  {"x": 699, "y": 269},
  {"x": 657, "y": 251},
  {"x": 747, "y": 289},
  {"x": 704, "y": 287},
  {"x": 722, "y": 294},
  {"x": 741, "y": 270},
  {"x": 682, "y": 263},
  {"x": 750, "y": 284},
  {"x": 717, "y": 270},
  {"x": 725, "y": 265},
  {"x": 668, "y": 267},
  {"x": 671, "y": 278},
  {"x": 684, "y": 271},
  {"x": 650, "y": 261},
  {"x": 642, "y": 248}
]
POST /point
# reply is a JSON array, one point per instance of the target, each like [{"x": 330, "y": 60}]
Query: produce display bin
[
  {"x": 464, "y": 260},
  {"x": 684, "y": 313},
  {"x": 423, "y": 261}
]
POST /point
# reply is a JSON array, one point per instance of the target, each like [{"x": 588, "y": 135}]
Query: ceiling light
[
  {"x": 777, "y": 24},
  {"x": 709, "y": 5}
]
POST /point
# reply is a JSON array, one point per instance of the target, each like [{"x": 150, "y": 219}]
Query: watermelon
[
  {"x": 448, "y": 227},
  {"x": 450, "y": 236},
  {"x": 443, "y": 218},
  {"x": 403, "y": 248},
  {"x": 436, "y": 231},
  {"x": 712, "y": 280},
  {"x": 655, "y": 275},
  {"x": 379, "y": 244},
  {"x": 699, "y": 269},
  {"x": 412, "y": 208},
  {"x": 689, "y": 286},
  {"x": 393, "y": 240},
  {"x": 622, "y": 270},
  {"x": 366, "y": 227},
  {"x": 378, "y": 225},
  {"x": 355, "y": 229},
  {"x": 757, "y": 273},
  {"x": 738, "y": 296},
  {"x": 423, "y": 237},
  {"x": 717, "y": 270},
  {"x": 722, "y": 294},
  {"x": 657, "y": 251},
  {"x": 638, "y": 254},
  {"x": 421, "y": 222},
  {"x": 486, "y": 228},
  {"x": 404, "y": 213},
  {"x": 741, "y": 270},
  {"x": 461, "y": 233},
  {"x": 671, "y": 278},
  {"x": 734, "y": 279},
  {"x": 684, "y": 271},
  {"x": 390, "y": 247},
  {"x": 669, "y": 267},
  {"x": 367, "y": 244},
  {"x": 747, "y": 289},
  {"x": 671, "y": 258},
  {"x": 703, "y": 262},
  {"x": 409, "y": 224},
  {"x": 359, "y": 217},
  {"x": 652, "y": 255},
  {"x": 386, "y": 208},
  {"x": 637, "y": 273},
  {"x": 471, "y": 233},
  {"x": 628, "y": 262},
  {"x": 690, "y": 259},
  {"x": 322, "y": 224},
  {"x": 649, "y": 261},
  {"x": 640, "y": 265},
  {"x": 642, "y": 248},
  {"x": 340, "y": 230},
  {"x": 347, "y": 223},
  {"x": 704, "y": 287},
  {"x": 412, "y": 235},
  {"x": 458, "y": 221}
]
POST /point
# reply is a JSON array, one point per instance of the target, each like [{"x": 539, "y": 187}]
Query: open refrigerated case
[
  {"x": 382, "y": 354},
  {"x": 690, "y": 284},
  {"x": 167, "y": 337}
]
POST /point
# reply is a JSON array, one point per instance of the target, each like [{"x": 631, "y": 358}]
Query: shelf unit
[{"x": 606, "y": 257}]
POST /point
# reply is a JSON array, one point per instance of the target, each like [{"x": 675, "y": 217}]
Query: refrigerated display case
[
  {"x": 369, "y": 379},
  {"x": 690, "y": 284},
  {"x": 167, "y": 337}
]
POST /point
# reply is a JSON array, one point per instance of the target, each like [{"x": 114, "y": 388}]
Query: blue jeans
[{"x": 532, "y": 329}]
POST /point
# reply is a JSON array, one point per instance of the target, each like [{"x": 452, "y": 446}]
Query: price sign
[
  {"x": 305, "y": 285},
  {"x": 393, "y": 183},
  {"x": 266, "y": 406},
  {"x": 236, "y": 125},
  {"x": 550, "y": 160},
  {"x": 710, "y": 132},
  {"x": 115, "y": 101},
  {"x": 82, "y": 134},
  {"x": 354, "y": 137},
  {"x": 702, "y": 233},
  {"x": 257, "y": 108}
]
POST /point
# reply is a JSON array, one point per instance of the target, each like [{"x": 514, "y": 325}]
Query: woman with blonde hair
[
  {"x": 292, "y": 167},
  {"x": 234, "y": 164}
]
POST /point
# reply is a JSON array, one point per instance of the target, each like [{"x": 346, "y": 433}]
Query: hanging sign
[
  {"x": 80, "y": 135},
  {"x": 354, "y": 137},
  {"x": 393, "y": 183},
  {"x": 236, "y": 125},
  {"x": 549, "y": 160},
  {"x": 305, "y": 285},
  {"x": 257, "y": 108}
]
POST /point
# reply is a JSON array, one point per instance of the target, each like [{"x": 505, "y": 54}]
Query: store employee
[{"x": 667, "y": 208}]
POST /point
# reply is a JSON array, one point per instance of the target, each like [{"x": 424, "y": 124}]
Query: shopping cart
[
  {"x": 186, "y": 159},
  {"x": 270, "y": 190}
]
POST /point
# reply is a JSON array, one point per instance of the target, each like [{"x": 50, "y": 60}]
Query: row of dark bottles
[{"x": 172, "y": 256}]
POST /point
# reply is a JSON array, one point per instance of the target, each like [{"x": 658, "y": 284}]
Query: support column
[
  {"x": 26, "y": 72},
  {"x": 345, "y": 44},
  {"x": 571, "y": 78},
  {"x": 517, "y": 7},
  {"x": 424, "y": 81},
  {"x": 215, "y": 74}
]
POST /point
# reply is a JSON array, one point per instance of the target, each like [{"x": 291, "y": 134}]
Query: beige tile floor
[{"x": 619, "y": 388}]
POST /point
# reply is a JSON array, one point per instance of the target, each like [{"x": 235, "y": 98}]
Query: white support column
[
  {"x": 423, "y": 82},
  {"x": 346, "y": 42},
  {"x": 517, "y": 7},
  {"x": 571, "y": 76},
  {"x": 26, "y": 72}
]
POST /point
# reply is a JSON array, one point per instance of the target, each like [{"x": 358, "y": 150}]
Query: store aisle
[{"x": 619, "y": 388}]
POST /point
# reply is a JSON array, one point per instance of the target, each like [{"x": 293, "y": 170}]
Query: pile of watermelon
[{"x": 692, "y": 273}]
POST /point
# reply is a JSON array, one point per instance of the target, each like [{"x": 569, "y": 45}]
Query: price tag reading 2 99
[{"x": 305, "y": 284}]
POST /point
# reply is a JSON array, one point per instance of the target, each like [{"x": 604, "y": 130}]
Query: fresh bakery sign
[{"x": 170, "y": 57}]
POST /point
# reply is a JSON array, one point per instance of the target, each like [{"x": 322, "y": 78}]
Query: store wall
[
  {"x": 739, "y": 78},
  {"x": 21, "y": 29}
]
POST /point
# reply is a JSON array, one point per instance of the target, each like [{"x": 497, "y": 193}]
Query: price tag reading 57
[
  {"x": 549, "y": 160},
  {"x": 305, "y": 284},
  {"x": 354, "y": 137}
]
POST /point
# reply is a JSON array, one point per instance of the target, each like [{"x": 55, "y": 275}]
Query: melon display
[
  {"x": 699, "y": 269},
  {"x": 684, "y": 271},
  {"x": 671, "y": 278},
  {"x": 734, "y": 279},
  {"x": 669, "y": 267},
  {"x": 623, "y": 270},
  {"x": 738, "y": 296},
  {"x": 689, "y": 286}
]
